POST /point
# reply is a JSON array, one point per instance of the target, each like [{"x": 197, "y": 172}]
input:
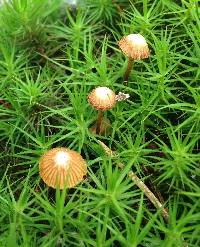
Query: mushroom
[
  {"x": 135, "y": 47},
  {"x": 102, "y": 99},
  {"x": 62, "y": 167}
]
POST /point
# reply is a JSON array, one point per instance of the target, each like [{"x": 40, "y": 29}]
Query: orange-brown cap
[
  {"x": 102, "y": 98},
  {"x": 62, "y": 167},
  {"x": 134, "y": 46}
]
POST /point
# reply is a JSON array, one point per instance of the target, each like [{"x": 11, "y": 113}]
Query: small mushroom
[
  {"x": 62, "y": 167},
  {"x": 102, "y": 99},
  {"x": 135, "y": 47}
]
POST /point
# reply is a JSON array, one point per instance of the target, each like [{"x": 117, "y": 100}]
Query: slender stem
[
  {"x": 149, "y": 194},
  {"x": 140, "y": 184},
  {"x": 128, "y": 70},
  {"x": 99, "y": 121}
]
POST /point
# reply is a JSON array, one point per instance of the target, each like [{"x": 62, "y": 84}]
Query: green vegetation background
[{"x": 51, "y": 57}]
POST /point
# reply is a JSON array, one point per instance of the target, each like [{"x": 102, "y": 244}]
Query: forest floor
[{"x": 52, "y": 55}]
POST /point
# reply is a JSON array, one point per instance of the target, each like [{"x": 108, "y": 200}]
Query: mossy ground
[{"x": 51, "y": 57}]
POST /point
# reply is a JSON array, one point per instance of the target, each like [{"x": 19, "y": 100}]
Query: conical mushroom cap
[
  {"x": 134, "y": 46},
  {"x": 62, "y": 167},
  {"x": 102, "y": 98}
]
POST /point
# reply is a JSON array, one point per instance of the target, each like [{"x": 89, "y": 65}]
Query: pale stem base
[
  {"x": 99, "y": 121},
  {"x": 128, "y": 70}
]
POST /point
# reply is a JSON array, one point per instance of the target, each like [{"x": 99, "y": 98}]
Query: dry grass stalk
[{"x": 139, "y": 183}]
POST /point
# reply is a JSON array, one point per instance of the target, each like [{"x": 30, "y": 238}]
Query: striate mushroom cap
[
  {"x": 62, "y": 167},
  {"x": 134, "y": 46},
  {"x": 102, "y": 98}
]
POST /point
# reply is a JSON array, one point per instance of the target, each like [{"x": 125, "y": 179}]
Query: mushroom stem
[
  {"x": 128, "y": 70},
  {"x": 99, "y": 121}
]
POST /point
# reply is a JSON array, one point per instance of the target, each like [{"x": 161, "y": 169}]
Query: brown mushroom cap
[
  {"x": 134, "y": 46},
  {"x": 102, "y": 98},
  {"x": 62, "y": 167}
]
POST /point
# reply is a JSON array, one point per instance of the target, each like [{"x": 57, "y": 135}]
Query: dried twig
[{"x": 139, "y": 183}]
